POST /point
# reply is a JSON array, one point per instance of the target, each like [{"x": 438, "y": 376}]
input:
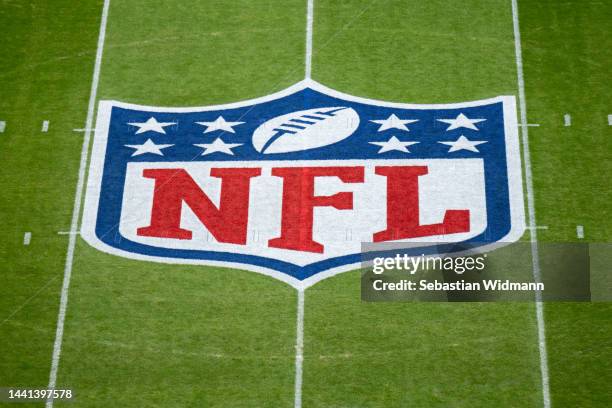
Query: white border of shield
[{"x": 94, "y": 181}]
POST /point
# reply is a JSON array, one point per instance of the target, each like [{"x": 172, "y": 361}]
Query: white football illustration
[{"x": 305, "y": 129}]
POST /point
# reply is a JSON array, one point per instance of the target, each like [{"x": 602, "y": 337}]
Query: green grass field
[{"x": 141, "y": 334}]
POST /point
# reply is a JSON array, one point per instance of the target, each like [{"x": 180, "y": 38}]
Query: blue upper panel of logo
[{"x": 427, "y": 130}]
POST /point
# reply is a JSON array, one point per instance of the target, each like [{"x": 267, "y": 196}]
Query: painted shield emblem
[{"x": 291, "y": 184}]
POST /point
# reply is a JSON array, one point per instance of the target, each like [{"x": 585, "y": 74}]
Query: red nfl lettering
[{"x": 228, "y": 223}]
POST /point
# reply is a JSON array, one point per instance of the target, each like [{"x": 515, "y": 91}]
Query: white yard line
[
  {"x": 2, "y": 126},
  {"x": 567, "y": 120},
  {"x": 59, "y": 334},
  {"x": 580, "y": 231},
  {"x": 299, "y": 349},
  {"x": 309, "y": 23},
  {"x": 531, "y": 208},
  {"x": 299, "y": 337},
  {"x": 609, "y": 120},
  {"x": 27, "y": 237},
  {"x": 45, "y": 126}
]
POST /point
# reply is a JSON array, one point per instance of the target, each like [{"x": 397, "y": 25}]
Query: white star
[
  {"x": 393, "y": 122},
  {"x": 463, "y": 143},
  {"x": 461, "y": 121},
  {"x": 219, "y": 124},
  {"x": 148, "y": 147},
  {"x": 218, "y": 146},
  {"x": 151, "y": 125},
  {"x": 393, "y": 144}
]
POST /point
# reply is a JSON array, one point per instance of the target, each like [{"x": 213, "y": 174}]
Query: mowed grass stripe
[
  {"x": 145, "y": 334},
  {"x": 45, "y": 72},
  {"x": 568, "y": 49},
  {"x": 379, "y": 355}
]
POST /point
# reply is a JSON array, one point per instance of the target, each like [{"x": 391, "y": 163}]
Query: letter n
[{"x": 173, "y": 187}]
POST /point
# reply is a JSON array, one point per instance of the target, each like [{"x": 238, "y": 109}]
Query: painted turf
[{"x": 101, "y": 345}]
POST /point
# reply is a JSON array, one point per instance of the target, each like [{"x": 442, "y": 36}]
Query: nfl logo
[{"x": 290, "y": 185}]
